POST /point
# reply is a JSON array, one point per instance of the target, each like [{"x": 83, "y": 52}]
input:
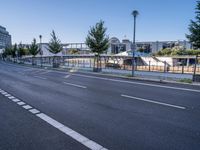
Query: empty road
[{"x": 52, "y": 110}]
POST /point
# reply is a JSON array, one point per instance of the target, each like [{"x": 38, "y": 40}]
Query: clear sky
[{"x": 71, "y": 19}]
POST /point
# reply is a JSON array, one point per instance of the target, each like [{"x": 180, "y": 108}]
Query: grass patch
[
  {"x": 186, "y": 80},
  {"x": 128, "y": 75}
]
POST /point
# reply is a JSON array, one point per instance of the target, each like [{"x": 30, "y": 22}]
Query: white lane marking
[
  {"x": 34, "y": 111},
  {"x": 124, "y": 81},
  {"x": 20, "y": 103},
  {"x": 7, "y": 95},
  {"x": 138, "y": 83},
  {"x": 11, "y": 97},
  {"x": 45, "y": 72},
  {"x": 40, "y": 77},
  {"x": 76, "y": 85},
  {"x": 51, "y": 121},
  {"x": 30, "y": 69},
  {"x": 73, "y": 134},
  {"x": 27, "y": 107},
  {"x": 67, "y": 76},
  {"x": 37, "y": 71},
  {"x": 152, "y": 101},
  {"x": 4, "y": 93},
  {"x": 15, "y": 100}
]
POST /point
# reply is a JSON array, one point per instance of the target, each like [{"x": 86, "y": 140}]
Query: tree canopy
[
  {"x": 33, "y": 48},
  {"x": 194, "y": 28},
  {"x": 97, "y": 40},
  {"x": 55, "y": 45}
]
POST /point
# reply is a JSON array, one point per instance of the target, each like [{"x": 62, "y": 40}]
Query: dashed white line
[
  {"x": 7, "y": 95},
  {"x": 45, "y": 72},
  {"x": 40, "y": 77},
  {"x": 67, "y": 76},
  {"x": 11, "y": 97},
  {"x": 27, "y": 107},
  {"x": 20, "y": 103},
  {"x": 66, "y": 130},
  {"x": 152, "y": 101},
  {"x": 75, "y": 85},
  {"x": 15, "y": 100},
  {"x": 34, "y": 111}
]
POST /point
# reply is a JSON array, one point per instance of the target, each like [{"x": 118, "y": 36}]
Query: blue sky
[{"x": 71, "y": 19}]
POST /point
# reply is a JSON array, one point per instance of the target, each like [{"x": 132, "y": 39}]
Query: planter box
[
  {"x": 196, "y": 78},
  {"x": 97, "y": 69},
  {"x": 56, "y": 65}
]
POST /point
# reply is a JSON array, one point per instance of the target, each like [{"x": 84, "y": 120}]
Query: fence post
[
  {"x": 164, "y": 66},
  {"x": 182, "y": 67},
  {"x": 149, "y": 66},
  {"x": 195, "y": 66}
]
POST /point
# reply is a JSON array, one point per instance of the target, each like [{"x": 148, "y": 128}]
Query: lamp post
[
  {"x": 135, "y": 13},
  {"x": 40, "y": 36}
]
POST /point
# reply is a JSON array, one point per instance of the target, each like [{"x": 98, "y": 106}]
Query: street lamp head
[
  {"x": 135, "y": 13},
  {"x": 40, "y": 36}
]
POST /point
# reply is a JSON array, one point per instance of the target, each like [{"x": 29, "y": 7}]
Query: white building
[
  {"x": 5, "y": 38},
  {"x": 148, "y": 47}
]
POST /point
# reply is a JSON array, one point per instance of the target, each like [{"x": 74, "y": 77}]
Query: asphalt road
[{"x": 112, "y": 113}]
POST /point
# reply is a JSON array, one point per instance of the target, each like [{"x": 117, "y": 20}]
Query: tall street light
[
  {"x": 40, "y": 36},
  {"x": 135, "y": 13}
]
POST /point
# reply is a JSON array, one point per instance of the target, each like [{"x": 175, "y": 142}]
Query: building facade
[
  {"x": 5, "y": 38},
  {"x": 145, "y": 47},
  {"x": 115, "y": 46}
]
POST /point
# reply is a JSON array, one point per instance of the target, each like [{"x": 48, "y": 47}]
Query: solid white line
[
  {"x": 73, "y": 134},
  {"x": 138, "y": 83},
  {"x": 40, "y": 77},
  {"x": 76, "y": 85},
  {"x": 27, "y": 107},
  {"x": 152, "y": 101}
]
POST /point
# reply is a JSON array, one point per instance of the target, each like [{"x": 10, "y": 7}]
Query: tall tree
[
  {"x": 14, "y": 51},
  {"x": 33, "y": 50},
  {"x": 194, "y": 28},
  {"x": 97, "y": 40},
  {"x": 55, "y": 46},
  {"x": 21, "y": 50}
]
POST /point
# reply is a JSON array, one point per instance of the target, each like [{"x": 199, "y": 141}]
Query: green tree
[
  {"x": 14, "y": 51},
  {"x": 194, "y": 28},
  {"x": 97, "y": 40},
  {"x": 21, "y": 50},
  {"x": 8, "y": 51},
  {"x": 55, "y": 46},
  {"x": 33, "y": 50}
]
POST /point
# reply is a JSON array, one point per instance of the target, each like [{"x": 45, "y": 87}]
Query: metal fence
[{"x": 108, "y": 62}]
